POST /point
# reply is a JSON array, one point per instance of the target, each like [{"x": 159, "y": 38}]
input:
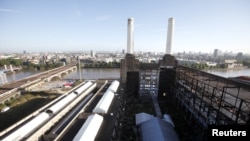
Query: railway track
[{"x": 7, "y": 89}]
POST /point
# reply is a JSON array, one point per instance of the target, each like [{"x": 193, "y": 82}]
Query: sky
[{"x": 101, "y": 25}]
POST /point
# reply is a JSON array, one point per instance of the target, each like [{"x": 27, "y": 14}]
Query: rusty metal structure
[
  {"x": 207, "y": 99},
  {"x": 201, "y": 98},
  {"x": 140, "y": 82},
  {"x": 148, "y": 79},
  {"x": 215, "y": 100}
]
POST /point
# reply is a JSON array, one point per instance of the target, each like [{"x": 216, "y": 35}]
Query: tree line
[
  {"x": 26, "y": 65},
  {"x": 205, "y": 66},
  {"x": 11, "y": 61},
  {"x": 102, "y": 65}
]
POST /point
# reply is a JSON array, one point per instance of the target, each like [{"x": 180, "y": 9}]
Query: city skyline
[{"x": 57, "y": 26}]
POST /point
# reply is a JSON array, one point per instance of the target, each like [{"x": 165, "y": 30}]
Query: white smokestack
[
  {"x": 170, "y": 36},
  {"x": 130, "y": 42}
]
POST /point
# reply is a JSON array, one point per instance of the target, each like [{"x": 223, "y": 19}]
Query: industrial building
[
  {"x": 152, "y": 101},
  {"x": 197, "y": 98}
]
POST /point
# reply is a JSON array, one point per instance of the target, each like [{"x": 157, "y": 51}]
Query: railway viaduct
[{"x": 14, "y": 89}]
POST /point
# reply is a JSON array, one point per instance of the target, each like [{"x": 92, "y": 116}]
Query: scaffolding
[
  {"x": 148, "y": 82},
  {"x": 125, "y": 119},
  {"x": 195, "y": 99},
  {"x": 166, "y": 82},
  {"x": 207, "y": 99}
]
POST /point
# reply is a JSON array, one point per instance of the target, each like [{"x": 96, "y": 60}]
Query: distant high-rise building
[
  {"x": 216, "y": 51},
  {"x": 92, "y": 53},
  {"x": 130, "y": 38},
  {"x": 24, "y": 51},
  {"x": 170, "y": 35}
]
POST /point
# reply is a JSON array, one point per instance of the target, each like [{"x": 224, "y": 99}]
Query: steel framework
[
  {"x": 148, "y": 82},
  {"x": 207, "y": 99}
]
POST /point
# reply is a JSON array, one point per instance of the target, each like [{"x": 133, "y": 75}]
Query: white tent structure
[
  {"x": 27, "y": 128},
  {"x": 89, "y": 129},
  {"x": 66, "y": 100},
  {"x": 83, "y": 88},
  {"x": 103, "y": 105},
  {"x": 114, "y": 86},
  {"x": 62, "y": 103}
]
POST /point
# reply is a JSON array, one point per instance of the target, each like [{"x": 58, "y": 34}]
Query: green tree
[
  {"x": 246, "y": 63},
  {"x": 223, "y": 66}
]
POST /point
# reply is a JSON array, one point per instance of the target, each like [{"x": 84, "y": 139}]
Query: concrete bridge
[
  {"x": 10, "y": 69},
  {"x": 59, "y": 75},
  {"x": 14, "y": 89}
]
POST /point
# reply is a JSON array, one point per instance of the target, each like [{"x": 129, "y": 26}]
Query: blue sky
[{"x": 101, "y": 25}]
